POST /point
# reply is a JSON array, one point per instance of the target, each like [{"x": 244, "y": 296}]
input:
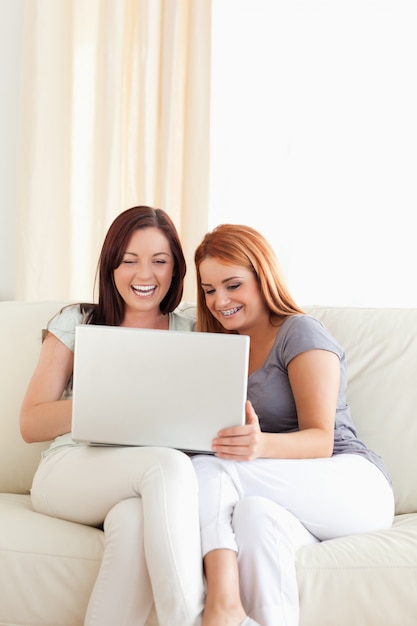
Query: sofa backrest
[
  {"x": 381, "y": 348},
  {"x": 21, "y": 326}
]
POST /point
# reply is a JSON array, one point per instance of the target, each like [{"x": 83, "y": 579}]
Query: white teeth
[
  {"x": 144, "y": 289},
  {"x": 230, "y": 311}
]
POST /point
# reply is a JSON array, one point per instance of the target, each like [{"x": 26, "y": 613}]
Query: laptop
[{"x": 141, "y": 387}]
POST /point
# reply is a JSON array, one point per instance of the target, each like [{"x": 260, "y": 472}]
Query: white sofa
[{"x": 48, "y": 566}]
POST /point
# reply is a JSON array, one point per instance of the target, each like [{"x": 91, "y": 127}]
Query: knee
[
  {"x": 270, "y": 523},
  {"x": 254, "y": 512},
  {"x": 176, "y": 467},
  {"x": 259, "y": 517}
]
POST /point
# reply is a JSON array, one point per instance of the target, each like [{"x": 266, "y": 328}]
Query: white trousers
[
  {"x": 147, "y": 499},
  {"x": 266, "y": 509}
]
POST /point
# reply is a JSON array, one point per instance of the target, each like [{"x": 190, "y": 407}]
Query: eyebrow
[
  {"x": 156, "y": 253},
  {"x": 226, "y": 280}
]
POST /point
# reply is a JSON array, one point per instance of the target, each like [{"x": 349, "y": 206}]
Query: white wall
[
  {"x": 11, "y": 22},
  {"x": 315, "y": 141}
]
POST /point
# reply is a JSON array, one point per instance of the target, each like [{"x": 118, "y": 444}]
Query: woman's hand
[{"x": 240, "y": 443}]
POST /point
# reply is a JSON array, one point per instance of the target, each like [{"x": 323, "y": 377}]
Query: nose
[
  {"x": 143, "y": 271},
  {"x": 222, "y": 299}
]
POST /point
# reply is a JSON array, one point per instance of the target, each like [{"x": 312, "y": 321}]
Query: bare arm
[
  {"x": 314, "y": 378},
  {"x": 43, "y": 415}
]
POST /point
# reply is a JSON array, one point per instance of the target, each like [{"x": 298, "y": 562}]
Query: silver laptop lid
[{"x": 157, "y": 388}]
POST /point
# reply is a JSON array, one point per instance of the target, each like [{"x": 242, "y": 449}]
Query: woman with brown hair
[{"x": 145, "y": 498}]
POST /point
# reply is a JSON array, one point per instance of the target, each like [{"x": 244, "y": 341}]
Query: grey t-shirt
[{"x": 270, "y": 392}]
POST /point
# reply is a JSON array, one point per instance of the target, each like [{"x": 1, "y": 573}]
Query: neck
[
  {"x": 146, "y": 319},
  {"x": 263, "y": 330},
  {"x": 261, "y": 342}
]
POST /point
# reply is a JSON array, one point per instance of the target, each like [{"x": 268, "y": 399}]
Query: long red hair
[{"x": 243, "y": 246}]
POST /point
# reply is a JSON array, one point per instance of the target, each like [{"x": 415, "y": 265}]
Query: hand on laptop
[{"x": 240, "y": 443}]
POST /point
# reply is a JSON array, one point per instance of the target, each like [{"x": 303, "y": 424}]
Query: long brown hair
[
  {"x": 110, "y": 307},
  {"x": 243, "y": 246}
]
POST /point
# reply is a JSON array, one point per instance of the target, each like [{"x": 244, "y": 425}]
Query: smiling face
[
  {"x": 144, "y": 276},
  {"x": 233, "y": 296}
]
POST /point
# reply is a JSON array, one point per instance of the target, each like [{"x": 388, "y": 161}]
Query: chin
[{"x": 229, "y": 325}]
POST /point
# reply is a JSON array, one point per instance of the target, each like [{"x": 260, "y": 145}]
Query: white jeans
[
  {"x": 266, "y": 509},
  {"x": 147, "y": 499}
]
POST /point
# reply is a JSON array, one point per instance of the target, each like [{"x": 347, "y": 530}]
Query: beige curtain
[{"x": 114, "y": 113}]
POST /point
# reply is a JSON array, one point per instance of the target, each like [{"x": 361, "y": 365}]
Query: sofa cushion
[
  {"x": 362, "y": 580},
  {"x": 39, "y": 557},
  {"x": 21, "y": 324}
]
